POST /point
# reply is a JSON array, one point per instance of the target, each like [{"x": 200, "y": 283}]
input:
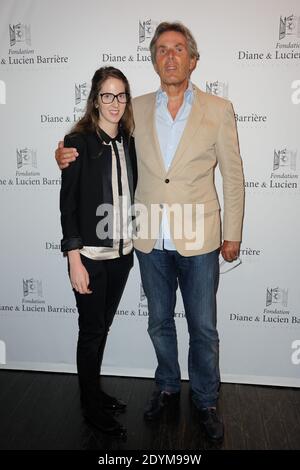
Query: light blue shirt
[{"x": 169, "y": 132}]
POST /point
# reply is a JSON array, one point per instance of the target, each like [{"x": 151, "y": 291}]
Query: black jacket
[{"x": 86, "y": 183}]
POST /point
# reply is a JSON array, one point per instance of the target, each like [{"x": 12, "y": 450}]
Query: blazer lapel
[
  {"x": 192, "y": 126},
  {"x": 150, "y": 124}
]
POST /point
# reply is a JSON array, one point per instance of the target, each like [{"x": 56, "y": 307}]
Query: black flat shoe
[
  {"x": 104, "y": 422},
  {"x": 111, "y": 403},
  {"x": 160, "y": 400}
]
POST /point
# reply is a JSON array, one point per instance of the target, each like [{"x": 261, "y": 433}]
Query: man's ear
[
  {"x": 193, "y": 64},
  {"x": 155, "y": 67}
]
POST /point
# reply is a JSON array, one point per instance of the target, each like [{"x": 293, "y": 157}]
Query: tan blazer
[{"x": 209, "y": 138}]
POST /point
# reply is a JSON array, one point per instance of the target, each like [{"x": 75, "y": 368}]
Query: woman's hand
[{"x": 78, "y": 274}]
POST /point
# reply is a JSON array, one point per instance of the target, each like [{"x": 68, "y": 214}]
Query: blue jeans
[{"x": 197, "y": 276}]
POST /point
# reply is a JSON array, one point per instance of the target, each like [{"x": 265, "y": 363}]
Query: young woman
[{"x": 97, "y": 190}]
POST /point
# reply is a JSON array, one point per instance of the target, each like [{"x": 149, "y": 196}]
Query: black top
[{"x": 86, "y": 183}]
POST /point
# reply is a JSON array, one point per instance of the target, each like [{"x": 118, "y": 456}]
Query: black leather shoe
[
  {"x": 211, "y": 424},
  {"x": 160, "y": 400},
  {"x": 111, "y": 403},
  {"x": 104, "y": 422}
]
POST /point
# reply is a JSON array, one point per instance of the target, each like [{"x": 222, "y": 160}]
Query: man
[{"x": 181, "y": 134}]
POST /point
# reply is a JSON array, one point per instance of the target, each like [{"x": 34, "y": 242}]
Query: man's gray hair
[{"x": 179, "y": 28}]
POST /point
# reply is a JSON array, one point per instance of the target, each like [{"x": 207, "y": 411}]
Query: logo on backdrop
[
  {"x": 289, "y": 27},
  {"x": 33, "y": 301},
  {"x": 142, "y": 294},
  {"x": 33, "y": 291},
  {"x": 217, "y": 88},
  {"x": 27, "y": 173},
  {"x": 19, "y": 33},
  {"x": 284, "y": 174},
  {"x": 277, "y": 296},
  {"x": 277, "y": 299},
  {"x": 284, "y": 169},
  {"x": 274, "y": 313},
  {"x": 285, "y": 159},
  {"x": 287, "y": 47},
  {"x": 146, "y": 28},
  {"x": 81, "y": 93},
  {"x": 20, "y": 52},
  {"x": 142, "y": 309},
  {"x": 26, "y": 157},
  {"x": 80, "y": 96}
]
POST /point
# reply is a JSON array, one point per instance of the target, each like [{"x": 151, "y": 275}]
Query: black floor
[{"x": 40, "y": 411}]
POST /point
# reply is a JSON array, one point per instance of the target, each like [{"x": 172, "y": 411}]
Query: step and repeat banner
[{"x": 250, "y": 54}]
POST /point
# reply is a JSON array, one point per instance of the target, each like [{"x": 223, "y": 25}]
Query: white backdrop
[{"x": 250, "y": 53}]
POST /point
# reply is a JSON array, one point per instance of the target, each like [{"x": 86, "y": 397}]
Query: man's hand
[
  {"x": 230, "y": 250},
  {"x": 64, "y": 155}
]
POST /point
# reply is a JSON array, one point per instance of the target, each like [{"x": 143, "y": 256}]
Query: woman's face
[{"x": 110, "y": 113}]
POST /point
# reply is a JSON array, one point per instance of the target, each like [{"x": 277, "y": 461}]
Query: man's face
[{"x": 173, "y": 62}]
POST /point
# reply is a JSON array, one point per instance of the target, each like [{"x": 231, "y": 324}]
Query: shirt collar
[
  {"x": 161, "y": 96},
  {"x": 107, "y": 139}
]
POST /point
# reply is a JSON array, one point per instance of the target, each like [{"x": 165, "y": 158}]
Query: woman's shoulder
[{"x": 80, "y": 139}]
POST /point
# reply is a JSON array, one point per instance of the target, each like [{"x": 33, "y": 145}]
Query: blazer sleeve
[
  {"x": 69, "y": 196},
  {"x": 230, "y": 164}
]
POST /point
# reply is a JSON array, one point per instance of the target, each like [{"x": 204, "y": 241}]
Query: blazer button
[{"x": 167, "y": 180}]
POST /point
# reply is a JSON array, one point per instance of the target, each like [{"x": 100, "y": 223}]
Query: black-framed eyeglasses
[{"x": 108, "y": 98}]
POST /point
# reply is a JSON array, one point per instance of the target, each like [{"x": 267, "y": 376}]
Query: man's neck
[
  {"x": 175, "y": 95},
  {"x": 175, "y": 91}
]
